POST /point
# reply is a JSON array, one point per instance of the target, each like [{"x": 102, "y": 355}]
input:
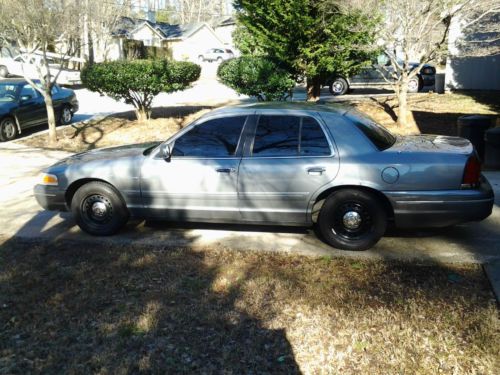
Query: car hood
[
  {"x": 112, "y": 153},
  {"x": 432, "y": 143}
]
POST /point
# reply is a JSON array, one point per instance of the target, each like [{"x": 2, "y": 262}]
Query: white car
[
  {"x": 216, "y": 54},
  {"x": 26, "y": 65}
]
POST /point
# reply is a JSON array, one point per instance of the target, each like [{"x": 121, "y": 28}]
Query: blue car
[{"x": 22, "y": 107}]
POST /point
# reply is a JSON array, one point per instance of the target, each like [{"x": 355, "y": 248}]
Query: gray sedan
[{"x": 286, "y": 164}]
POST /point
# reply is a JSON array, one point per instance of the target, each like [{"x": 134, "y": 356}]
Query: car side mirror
[
  {"x": 25, "y": 98},
  {"x": 166, "y": 151}
]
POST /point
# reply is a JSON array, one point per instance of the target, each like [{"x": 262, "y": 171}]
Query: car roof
[
  {"x": 17, "y": 80},
  {"x": 336, "y": 108}
]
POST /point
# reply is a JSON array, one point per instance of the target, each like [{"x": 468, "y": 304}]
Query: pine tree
[{"x": 310, "y": 38}]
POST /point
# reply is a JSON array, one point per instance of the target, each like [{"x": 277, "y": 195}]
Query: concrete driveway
[{"x": 21, "y": 217}]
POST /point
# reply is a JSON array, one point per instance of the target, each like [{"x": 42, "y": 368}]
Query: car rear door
[
  {"x": 31, "y": 111},
  {"x": 199, "y": 181},
  {"x": 286, "y": 159}
]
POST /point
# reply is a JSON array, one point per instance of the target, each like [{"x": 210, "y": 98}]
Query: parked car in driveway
[
  {"x": 377, "y": 75},
  {"x": 22, "y": 65},
  {"x": 287, "y": 164},
  {"x": 216, "y": 54},
  {"x": 22, "y": 107}
]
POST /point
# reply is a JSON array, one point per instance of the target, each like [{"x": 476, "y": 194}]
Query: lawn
[
  {"x": 95, "y": 308},
  {"x": 433, "y": 113}
]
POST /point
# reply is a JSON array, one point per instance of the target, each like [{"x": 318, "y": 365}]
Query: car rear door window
[
  {"x": 277, "y": 136},
  {"x": 313, "y": 141},
  {"x": 289, "y": 136},
  {"x": 217, "y": 138}
]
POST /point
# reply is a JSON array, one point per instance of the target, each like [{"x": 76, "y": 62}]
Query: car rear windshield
[{"x": 377, "y": 134}]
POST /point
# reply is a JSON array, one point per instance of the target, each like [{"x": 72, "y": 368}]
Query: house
[
  {"x": 224, "y": 29},
  {"x": 185, "y": 42},
  {"x": 468, "y": 70}
]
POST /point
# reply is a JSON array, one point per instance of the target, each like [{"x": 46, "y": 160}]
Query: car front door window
[{"x": 217, "y": 138}]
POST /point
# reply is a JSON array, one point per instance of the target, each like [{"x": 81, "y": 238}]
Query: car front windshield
[{"x": 8, "y": 92}]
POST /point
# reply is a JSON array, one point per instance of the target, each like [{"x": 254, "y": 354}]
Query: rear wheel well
[
  {"x": 386, "y": 204},
  {"x": 71, "y": 190}
]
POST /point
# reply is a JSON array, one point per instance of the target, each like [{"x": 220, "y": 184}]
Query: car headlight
[{"x": 49, "y": 179}]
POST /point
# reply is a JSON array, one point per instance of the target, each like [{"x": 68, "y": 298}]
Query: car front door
[
  {"x": 286, "y": 160},
  {"x": 32, "y": 110},
  {"x": 199, "y": 180}
]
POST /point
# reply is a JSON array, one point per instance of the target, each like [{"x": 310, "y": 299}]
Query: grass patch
[
  {"x": 120, "y": 129},
  {"x": 433, "y": 113},
  {"x": 67, "y": 308}
]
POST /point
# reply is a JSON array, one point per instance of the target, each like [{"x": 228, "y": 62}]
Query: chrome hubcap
[
  {"x": 99, "y": 209},
  {"x": 352, "y": 220},
  {"x": 338, "y": 86},
  {"x": 10, "y": 130},
  {"x": 413, "y": 85},
  {"x": 66, "y": 115}
]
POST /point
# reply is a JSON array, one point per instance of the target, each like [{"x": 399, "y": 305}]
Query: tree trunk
[
  {"x": 51, "y": 118},
  {"x": 406, "y": 121},
  {"x": 313, "y": 89},
  {"x": 142, "y": 114}
]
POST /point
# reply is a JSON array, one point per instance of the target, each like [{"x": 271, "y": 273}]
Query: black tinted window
[
  {"x": 312, "y": 139},
  {"x": 379, "y": 136},
  {"x": 277, "y": 136},
  {"x": 213, "y": 138}
]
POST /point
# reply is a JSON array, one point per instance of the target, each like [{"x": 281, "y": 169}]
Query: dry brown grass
[
  {"x": 433, "y": 113},
  {"x": 67, "y": 308},
  {"x": 120, "y": 129}
]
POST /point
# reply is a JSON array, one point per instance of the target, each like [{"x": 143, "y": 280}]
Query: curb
[{"x": 492, "y": 271}]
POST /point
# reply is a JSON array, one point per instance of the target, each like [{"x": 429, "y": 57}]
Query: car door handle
[
  {"x": 316, "y": 171},
  {"x": 226, "y": 170}
]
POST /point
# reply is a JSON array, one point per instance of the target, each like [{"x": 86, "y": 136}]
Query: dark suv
[{"x": 374, "y": 76}]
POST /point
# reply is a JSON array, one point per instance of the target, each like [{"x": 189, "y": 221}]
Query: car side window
[
  {"x": 289, "y": 136},
  {"x": 28, "y": 90},
  {"x": 217, "y": 138},
  {"x": 277, "y": 136},
  {"x": 313, "y": 141}
]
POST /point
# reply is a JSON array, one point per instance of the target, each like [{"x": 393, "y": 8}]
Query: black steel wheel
[
  {"x": 8, "y": 129},
  {"x": 99, "y": 209},
  {"x": 339, "y": 86},
  {"x": 352, "y": 220}
]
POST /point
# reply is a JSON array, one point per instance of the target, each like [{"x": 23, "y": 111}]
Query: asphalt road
[{"x": 22, "y": 217}]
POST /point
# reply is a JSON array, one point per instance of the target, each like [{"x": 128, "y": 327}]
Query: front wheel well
[
  {"x": 380, "y": 196},
  {"x": 75, "y": 185}
]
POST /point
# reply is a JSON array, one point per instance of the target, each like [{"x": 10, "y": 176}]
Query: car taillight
[{"x": 472, "y": 173}]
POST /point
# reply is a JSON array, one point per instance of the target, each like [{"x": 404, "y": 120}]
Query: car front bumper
[
  {"x": 434, "y": 209},
  {"x": 51, "y": 198}
]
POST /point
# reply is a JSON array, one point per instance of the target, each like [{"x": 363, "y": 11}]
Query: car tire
[
  {"x": 219, "y": 59},
  {"x": 66, "y": 115},
  {"x": 414, "y": 85},
  {"x": 352, "y": 220},
  {"x": 99, "y": 209},
  {"x": 338, "y": 86},
  {"x": 8, "y": 129},
  {"x": 4, "y": 72},
  {"x": 201, "y": 58}
]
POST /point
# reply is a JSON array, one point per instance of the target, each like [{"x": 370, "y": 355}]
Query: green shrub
[
  {"x": 139, "y": 81},
  {"x": 256, "y": 76}
]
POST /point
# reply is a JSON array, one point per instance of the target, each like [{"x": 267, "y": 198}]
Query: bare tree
[
  {"x": 418, "y": 31},
  {"x": 37, "y": 26},
  {"x": 100, "y": 19}
]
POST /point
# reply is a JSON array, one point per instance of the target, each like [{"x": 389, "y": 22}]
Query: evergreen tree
[{"x": 310, "y": 38}]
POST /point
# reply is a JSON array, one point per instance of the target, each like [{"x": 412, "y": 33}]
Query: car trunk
[{"x": 433, "y": 143}]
